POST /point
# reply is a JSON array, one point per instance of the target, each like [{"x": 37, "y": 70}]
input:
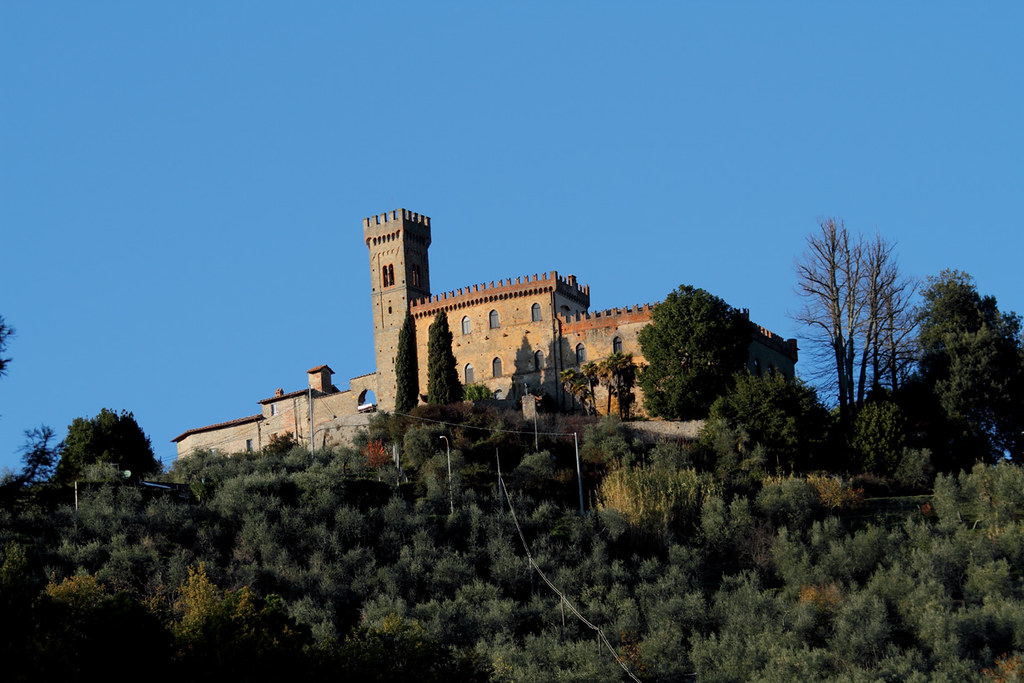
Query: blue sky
[{"x": 182, "y": 185}]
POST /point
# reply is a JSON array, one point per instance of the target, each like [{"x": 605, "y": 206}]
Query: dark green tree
[
  {"x": 972, "y": 361},
  {"x": 443, "y": 385},
  {"x": 39, "y": 455},
  {"x": 407, "y": 376},
  {"x": 694, "y": 345},
  {"x": 879, "y": 435},
  {"x": 786, "y": 420},
  {"x": 109, "y": 437}
]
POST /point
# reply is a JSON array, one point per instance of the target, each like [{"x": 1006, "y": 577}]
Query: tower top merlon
[{"x": 391, "y": 222}]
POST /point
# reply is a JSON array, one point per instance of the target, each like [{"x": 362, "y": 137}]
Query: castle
[{"x": 513, "y": 337}]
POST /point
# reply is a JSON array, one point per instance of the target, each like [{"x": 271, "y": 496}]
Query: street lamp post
[{"x": 448, "y": 449}]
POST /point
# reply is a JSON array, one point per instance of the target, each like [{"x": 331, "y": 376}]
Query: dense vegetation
[
  {"x": 264, "y": 563},
  {"x": 879, "y": 540}
]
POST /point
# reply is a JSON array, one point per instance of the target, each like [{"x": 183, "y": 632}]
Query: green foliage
[
  {"x": 477, "y": 392},
  {"x": 788, "y": 501},
  {"x": 396, "y": 649},
  {"x": 785, "y": 419},
  {"x": 407, "y": 391},
  {"x": 972, "y": 360},
  {"x": 443, "y": 384},
  {"x": 109, "y": 437},
  {"x": 618, "y": 372},
  {"x": 655, "y": 501},
  {"x": 39, "y": 455},
  {"x": 235, "y": 632},
  {"x": 694, "y": 345},
  {"x": 279, "y": 444},
  {"x": 879, "y": 436},
  {"x": 316, "y": 570}
]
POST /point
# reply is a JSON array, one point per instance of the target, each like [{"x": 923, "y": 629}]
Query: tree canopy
[
  {"x": 443, "y": 385},
  {"x": 784, "y": 421},
  {"x": 407, "y": 374},
  {"x": 693, "y": 346},
  {"x": 972, "y": 360},
  {"x": 109, "y": 437}
]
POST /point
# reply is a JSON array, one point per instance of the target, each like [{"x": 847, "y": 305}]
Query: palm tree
[{"x": 618, "y": 372}]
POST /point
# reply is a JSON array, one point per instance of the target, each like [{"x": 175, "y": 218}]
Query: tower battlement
[
  {"x": 388, "y": 226},
  {"x": 396, "y": 215}
]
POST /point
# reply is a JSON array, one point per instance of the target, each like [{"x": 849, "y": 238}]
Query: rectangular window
[
  {"x": 273, "y": 409},
  {"x": 248, "y": 445}
]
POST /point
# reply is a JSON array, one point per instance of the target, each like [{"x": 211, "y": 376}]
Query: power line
[
  {"x": 486, "y": 429},
  {"x": 565, "y": 601}
]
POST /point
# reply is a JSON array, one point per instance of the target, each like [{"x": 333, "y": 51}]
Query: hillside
[{"x": 272, "y": 563}]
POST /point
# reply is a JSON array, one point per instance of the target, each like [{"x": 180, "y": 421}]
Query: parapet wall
[
  {"x": 522, "y": 286},
  {"x": 641, "y": 313},
  {"x": 397, "y": 215},
  {"x": 775, "y": 342}
]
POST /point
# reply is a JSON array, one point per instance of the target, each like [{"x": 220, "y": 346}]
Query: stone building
[{"x": 513, "y": 336}]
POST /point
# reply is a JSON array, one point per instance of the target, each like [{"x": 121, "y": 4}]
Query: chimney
[{"x": 320, "y": 379}]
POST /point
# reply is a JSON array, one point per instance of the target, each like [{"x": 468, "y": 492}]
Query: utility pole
[
  {"x": 309, "y": 400},
  {"x": 579, "y": 475},
  {"x": 451, "y": 499}
]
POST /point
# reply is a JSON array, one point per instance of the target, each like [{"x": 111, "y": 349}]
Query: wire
[
  {"x": 561, "y": 596},
  {"x": 486, "y": 429}
]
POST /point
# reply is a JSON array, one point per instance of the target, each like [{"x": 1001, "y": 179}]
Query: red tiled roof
[
  {"x": 319, "y": 368},
  {"x": 300, "y": 392},
  {"x": 219, "y": 425}
]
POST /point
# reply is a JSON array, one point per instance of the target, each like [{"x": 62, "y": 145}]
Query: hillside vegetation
[{"x": 337, "y": 567}]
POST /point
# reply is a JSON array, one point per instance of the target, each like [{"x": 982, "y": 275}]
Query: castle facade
[{"x": 513, "y": 336}]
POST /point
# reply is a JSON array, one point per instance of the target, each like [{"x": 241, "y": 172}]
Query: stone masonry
[{"x": 513, "y": 336}]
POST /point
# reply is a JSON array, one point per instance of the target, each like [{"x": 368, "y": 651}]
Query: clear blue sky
[{"x": 182, "y": 184}]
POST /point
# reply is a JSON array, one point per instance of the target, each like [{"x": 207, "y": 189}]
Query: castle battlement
[
  {"x": 775, "y": 341},
  {"x": 525, "y": 285},
  {"x": 609, "y": 317},
  {"x": 396, "y": 215}
]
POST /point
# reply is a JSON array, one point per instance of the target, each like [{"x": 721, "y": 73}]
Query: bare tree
[{"x": 856, "y": 305}]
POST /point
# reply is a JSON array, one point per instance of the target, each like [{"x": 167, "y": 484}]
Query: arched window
[
  {"x": 465, "y": 325},
  {"x": 538, "y": 361},
  {"x": 494, "y": 319},
  {"x": 496, "y": 367},
  {"x": 383, "y": 276},
  {"x": 469, "y": 373},
  {"x": 581, "y": 354},
  {"x": 498, "y": 395},
  {"x": 387, "y": 274},
  {"x": 535, "y": 312},
  {"x": 757, "y": 367},
  {"x": 617, "y": 345}
]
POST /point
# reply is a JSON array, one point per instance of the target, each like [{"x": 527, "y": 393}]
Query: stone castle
[{"x": 513, "y": 336}]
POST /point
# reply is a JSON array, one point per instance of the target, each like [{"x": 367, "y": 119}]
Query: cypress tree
[
  {"x": 443, "y": 385},
  {"x": 406, "y": 369}
]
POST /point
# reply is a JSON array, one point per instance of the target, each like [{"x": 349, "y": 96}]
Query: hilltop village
[{"x": 512, "y": 336}]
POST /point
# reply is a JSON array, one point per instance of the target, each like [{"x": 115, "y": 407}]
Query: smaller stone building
[{"x": 321, "y": 409}]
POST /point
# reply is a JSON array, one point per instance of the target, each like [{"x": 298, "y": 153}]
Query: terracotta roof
[
  {"x": 319, "y": 368},
  {"x": 300, "y": 392},
  {"x": 219, "y": 425}
]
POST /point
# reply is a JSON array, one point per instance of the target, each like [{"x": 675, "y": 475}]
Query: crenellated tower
[{"x": 399, "y": 273}]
